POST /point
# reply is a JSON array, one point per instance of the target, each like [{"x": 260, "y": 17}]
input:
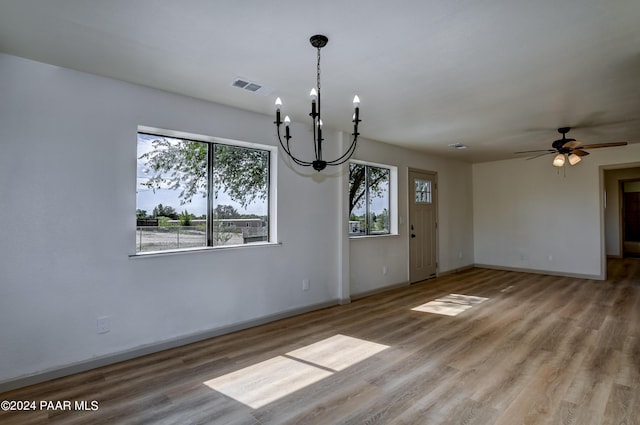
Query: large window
[
  {"x": 200, "y": 193},
  {"x": 369, "y": 199}
]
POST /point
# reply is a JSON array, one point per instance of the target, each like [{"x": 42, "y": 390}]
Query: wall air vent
[{"x": 244, "y": 83}]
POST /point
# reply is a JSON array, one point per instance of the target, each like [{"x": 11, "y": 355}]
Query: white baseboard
[
  {"x": 537, "y": 271},
  {"x": 378, "y": 290},
  {"x": 97, "y": 362}
]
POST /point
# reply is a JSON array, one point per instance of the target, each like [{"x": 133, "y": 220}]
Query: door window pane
[{"x": 423, "y": 191}]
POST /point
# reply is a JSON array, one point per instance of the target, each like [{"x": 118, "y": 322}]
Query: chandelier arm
[
  {"x": 347, "y": 155},
  {"x": 285, "y": 148},
  {"x": 289, "y": 154}
]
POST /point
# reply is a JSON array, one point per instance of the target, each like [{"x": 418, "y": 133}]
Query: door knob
[{"x": 413, "y": 236}]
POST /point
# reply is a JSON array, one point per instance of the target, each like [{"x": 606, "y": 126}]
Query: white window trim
[
  {"x": 273, "y": 163},
  {"x": 393, "y": 199}
]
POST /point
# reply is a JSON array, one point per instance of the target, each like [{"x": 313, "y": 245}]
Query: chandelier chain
[{"x": 318, "y": 73}]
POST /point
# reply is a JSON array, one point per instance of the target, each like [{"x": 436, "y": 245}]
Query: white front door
[{"x": 422, "y": 225}]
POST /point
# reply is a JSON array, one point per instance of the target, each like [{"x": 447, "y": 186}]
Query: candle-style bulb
[
  {"x": 278, "y": 103},
  {"x": 313, "y": 95},
  {"x": 287, "y": 121},
  {"x": 356, "y": 101}
]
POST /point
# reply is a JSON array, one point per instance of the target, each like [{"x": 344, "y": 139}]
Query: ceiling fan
[{"x": 569, "y": 149}]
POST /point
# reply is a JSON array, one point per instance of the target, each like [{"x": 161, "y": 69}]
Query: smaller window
[{"x": 369, "y": 200}]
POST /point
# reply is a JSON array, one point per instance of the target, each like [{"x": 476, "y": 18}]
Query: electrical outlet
[
  {"x": 305, "y": 284},
  {"x": 385, "y": 270},
  {"x": 103, "y": 324}
]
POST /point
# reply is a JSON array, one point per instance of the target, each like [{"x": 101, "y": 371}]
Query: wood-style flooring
[{"x": 513, "y": 348}]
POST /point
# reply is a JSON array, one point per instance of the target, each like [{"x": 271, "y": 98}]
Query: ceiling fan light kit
[
  {"x": 574, "y": 159},
  {"x": 562, "y": 158},
  {"x": 558, "y": 161},
  {"x": 569, "y": 150}
]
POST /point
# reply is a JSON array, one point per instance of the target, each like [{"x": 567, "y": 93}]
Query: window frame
[
  {"x": 393, "y": 201},
  {"x": 213, "y": 140}
]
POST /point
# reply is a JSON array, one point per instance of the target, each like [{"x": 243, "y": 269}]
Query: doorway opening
[{"x": 630, "y": 217}]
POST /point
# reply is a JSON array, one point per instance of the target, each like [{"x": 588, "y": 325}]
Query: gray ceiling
[{"x": 497, "y": 75}]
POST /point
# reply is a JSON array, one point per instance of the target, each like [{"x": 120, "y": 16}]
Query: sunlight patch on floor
[
  {"x": 262, "y": 383},
  {"x": 451, "y": 305},
  {"x": 338, "y": 352}
]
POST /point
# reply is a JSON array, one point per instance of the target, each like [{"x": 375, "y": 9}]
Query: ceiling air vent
[
  {"x": 240, "y": 83},
  {"x": 243, "y": 83},
  {"x": 458, "y": 146}
]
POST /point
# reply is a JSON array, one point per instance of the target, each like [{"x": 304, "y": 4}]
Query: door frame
[
  {"x": 622, "y": 212},
  {"x": 437, "y": 219}
]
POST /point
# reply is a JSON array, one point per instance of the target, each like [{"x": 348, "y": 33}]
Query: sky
[{"x": 147, "y": 199}]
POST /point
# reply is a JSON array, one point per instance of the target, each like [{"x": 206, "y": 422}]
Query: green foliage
[
  {"x": 161, "y": 210},
  {"x": 164, "y": 221},
  {"x": 141, "y": 213},
  {"x": 182, "y": 165},
  {"x": 225, "y": 211},
  {"x": 380, "y": 222},
  {"x": 221, "y": 233},
  {"x": 185, "y": 218},
  {"x": 264, "y": 218},
  {"x": 242, "y": 173},
  {"x": 358, "y": 182}
]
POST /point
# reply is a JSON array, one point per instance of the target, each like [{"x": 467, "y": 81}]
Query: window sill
[
  {"x": 386, "y": 235},
  {"x": 201, "y": 249}
]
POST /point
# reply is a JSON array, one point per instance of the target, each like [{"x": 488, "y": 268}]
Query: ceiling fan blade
[
  {"x": 595, "y": 121},
  {"x": 603, "y": 145},
  {"x": 572, "y": 144},
  {"x": 580, "y": 152},
  {"x": 539, "y": 150},
  {"x": 542, "y": 154}
]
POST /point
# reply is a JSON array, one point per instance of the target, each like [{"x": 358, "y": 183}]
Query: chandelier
[{"x": 318, "y": 164}]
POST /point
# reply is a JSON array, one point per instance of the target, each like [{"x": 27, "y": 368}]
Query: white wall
[
  {"x": 455, "y": 220},
  {"x": 527, "y": 215},
  {"x": 67, "y": 185}
]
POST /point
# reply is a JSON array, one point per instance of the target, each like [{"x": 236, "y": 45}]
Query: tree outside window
[
  {"x": 368, "y": 200},
  {"x": 196, "y": 194}
]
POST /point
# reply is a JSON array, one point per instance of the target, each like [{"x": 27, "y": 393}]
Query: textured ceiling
[{"x": 497, "y": 75}]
